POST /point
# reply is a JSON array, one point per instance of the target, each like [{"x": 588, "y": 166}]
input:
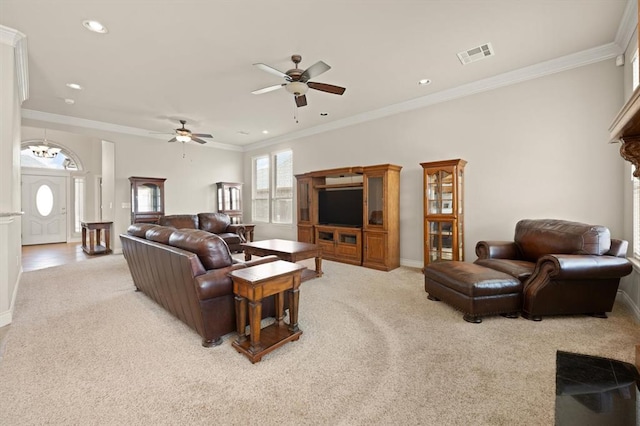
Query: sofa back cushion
[
  {"x": 538, "y": 237},
  {"x": 140, "y": 229},
  {"x": 180, "y": 221},
  {"x": 159, "y": 234},
  {"x": 212, "y": 251},
  {"x": 216, "y": 223}
]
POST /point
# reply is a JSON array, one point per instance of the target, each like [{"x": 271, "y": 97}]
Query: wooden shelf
[{"x": 340, "y": 185}]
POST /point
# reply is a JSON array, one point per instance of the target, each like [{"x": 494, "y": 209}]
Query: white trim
[
  {"x": 411, "y": 263},
  {"x": 108, "y": 127},
  {"x": 624, "y": 298},
  {"x": 564, "y": 63},
  {"x": 628, "y": 25},
  {"x": 18, "y": 40}
]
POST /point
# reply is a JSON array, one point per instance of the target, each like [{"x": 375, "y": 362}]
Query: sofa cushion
[
  {"x": 212, "y": 251},
  {"x": 520, "y": 269},
  {"x": 216, "y": 223},
  {"x": 159, "y": 234},
  {"x": 140, "y": 229},
  {"x": 180, "y": 221},
  {"x": 536, "y": 238}
]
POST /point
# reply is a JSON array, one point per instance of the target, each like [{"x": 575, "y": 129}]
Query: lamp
[
  {"x": 296, "y": 88},
  {"x": 183, "y": 138},
  {"x": 44, "y": 150}
]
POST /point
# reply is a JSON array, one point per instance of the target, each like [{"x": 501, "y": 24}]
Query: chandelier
[{"x": 44, "y": 150}]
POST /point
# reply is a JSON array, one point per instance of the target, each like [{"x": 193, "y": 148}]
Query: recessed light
[
  {"x": 69, "y": 101},
  {"x": 243, "y": 132},
  {"x": 324, "y": 114},
  {"x": 424, "y": 82},
  {"x": 74, "y": 86},
  {"x": 94, "y": 26},
  {"x": 265, "y": 132}
]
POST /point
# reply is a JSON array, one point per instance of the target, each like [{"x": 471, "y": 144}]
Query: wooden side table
[
  {"x": 255, "y": 283},
  {"x": 94, "y": 229}
]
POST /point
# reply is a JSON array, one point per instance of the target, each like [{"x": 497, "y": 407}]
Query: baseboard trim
[
  {"x": 411, "y": 263},
  {"x": 624, "y": 298},
  {"x": 6, "y": 317}
]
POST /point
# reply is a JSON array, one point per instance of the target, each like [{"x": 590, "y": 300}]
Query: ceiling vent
[{"x": 475, "y": 54}]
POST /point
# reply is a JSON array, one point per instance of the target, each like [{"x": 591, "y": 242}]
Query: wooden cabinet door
[
  {"x": 305, "y": 234},
  {"x": 375, "y": 250}
]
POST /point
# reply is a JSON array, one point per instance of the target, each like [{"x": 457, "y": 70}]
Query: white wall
[
  {"x": 536, "y": 149},
  {"x": 10, "y": 220}
]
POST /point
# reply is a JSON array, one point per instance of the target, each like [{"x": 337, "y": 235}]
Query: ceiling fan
[
  {"x": 183, "y": 134},
  {"x": 297, "y": 80}
]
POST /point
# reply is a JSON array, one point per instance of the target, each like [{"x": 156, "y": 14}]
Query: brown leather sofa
[
  {"x": 186, "y": 272},
  {"x": 216, "y": 223},
  {"x": 565, "y": 267}
]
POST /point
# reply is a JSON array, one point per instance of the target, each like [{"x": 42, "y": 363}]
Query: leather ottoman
[{"x": 473, "y": 289}]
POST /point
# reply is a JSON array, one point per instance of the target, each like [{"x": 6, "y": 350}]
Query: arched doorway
[{"x": 52, "y": 192}]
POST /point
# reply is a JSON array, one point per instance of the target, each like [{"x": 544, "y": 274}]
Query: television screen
[{"x": 340, "y": 207}]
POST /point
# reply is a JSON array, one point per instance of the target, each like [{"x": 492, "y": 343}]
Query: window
[{"x": 272, "y": 189}]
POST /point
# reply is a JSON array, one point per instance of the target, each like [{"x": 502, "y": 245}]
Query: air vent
[{"x": 476, "y": 54}]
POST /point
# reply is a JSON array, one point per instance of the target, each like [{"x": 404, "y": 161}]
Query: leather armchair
[{"x": 565, "y": 267}]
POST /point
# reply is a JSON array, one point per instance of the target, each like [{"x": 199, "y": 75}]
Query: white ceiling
[{"x": 164, "y": 60}]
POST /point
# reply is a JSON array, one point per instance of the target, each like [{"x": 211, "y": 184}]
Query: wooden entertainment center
[{"x": 373, "y": 241}]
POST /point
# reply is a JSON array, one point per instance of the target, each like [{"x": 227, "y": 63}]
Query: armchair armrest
[
  {"x": 497, "y": 250},
  {"x": 577, "y": 267},
  {"x": 238, "y": 228}
]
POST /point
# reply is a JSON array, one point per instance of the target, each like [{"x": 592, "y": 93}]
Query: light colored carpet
[{"x": 85, "y": 348}]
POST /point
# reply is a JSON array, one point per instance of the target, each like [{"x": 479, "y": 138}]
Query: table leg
[
  {"x": 107, "y": 239},
  {"x": 98, "y": 235},
  {"x": 319, "y": 265},
  {"x": 84, "y": 237},
  {"x": 294, "y": 296},
  {"x": 241, "y": 318},
  {"x": 92, "y": 242},
  {"x": 279, "y": 302},
  {"x": 255, "y": 313},
  {"x": 247, "y": 255}
]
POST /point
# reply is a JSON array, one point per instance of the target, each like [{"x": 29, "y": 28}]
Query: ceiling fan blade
[
  {"x": 268, "y": 89},
  {"x": 301, "y": 101},
  {"x": 202, "y": 135},
  {"x": 197, "y": 140},
  {"x": 271, "y": 70},
  {"x": 314, "y": 71},
  {"x": 173, "y": 140},
  {"x": 329, "y": 88}
]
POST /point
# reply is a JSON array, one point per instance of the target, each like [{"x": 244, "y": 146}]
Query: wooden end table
[
  {"x": 291, "y": 251},
  {"x": 254, "y": 284},
  {"x": 94, "y": 246}
]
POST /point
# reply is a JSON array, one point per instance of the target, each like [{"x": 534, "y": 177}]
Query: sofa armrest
[
  {"x": 214, "y": 283},
  {"x": 497, "y": 250},
  {"x": 238, "y": 228},
  {"x": 257, "y": 261},
  {"x": 577, "y": 267}
]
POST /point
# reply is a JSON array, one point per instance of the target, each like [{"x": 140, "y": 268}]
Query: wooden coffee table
[{"x": 291, "y": 251}]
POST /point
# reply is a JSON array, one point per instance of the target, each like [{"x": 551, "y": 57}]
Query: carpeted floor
[{"x": 84, "y": 348}]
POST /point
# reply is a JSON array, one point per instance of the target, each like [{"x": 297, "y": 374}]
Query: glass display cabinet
[
  {"x": 147, "y": 199},
  {"x": 443, "y": 210},
  {"x": 230, "y": 200}
]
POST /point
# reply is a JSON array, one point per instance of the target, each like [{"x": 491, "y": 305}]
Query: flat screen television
[{"x": 340, "y": 207}]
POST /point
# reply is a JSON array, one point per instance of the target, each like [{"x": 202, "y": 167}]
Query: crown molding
[
  {"x": 628, "y": 25},
  {"x": 564, "y": 63},
  {"x": 107, "y": 127},
  {"x": 18, "y": 41}
]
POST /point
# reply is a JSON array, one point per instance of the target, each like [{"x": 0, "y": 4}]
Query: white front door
[{"x": 44, "y": 203}]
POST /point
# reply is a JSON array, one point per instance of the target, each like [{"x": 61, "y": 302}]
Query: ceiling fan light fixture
[
  {"x": 297, "y": 88},
  {"x": 183, "y": 138}
]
